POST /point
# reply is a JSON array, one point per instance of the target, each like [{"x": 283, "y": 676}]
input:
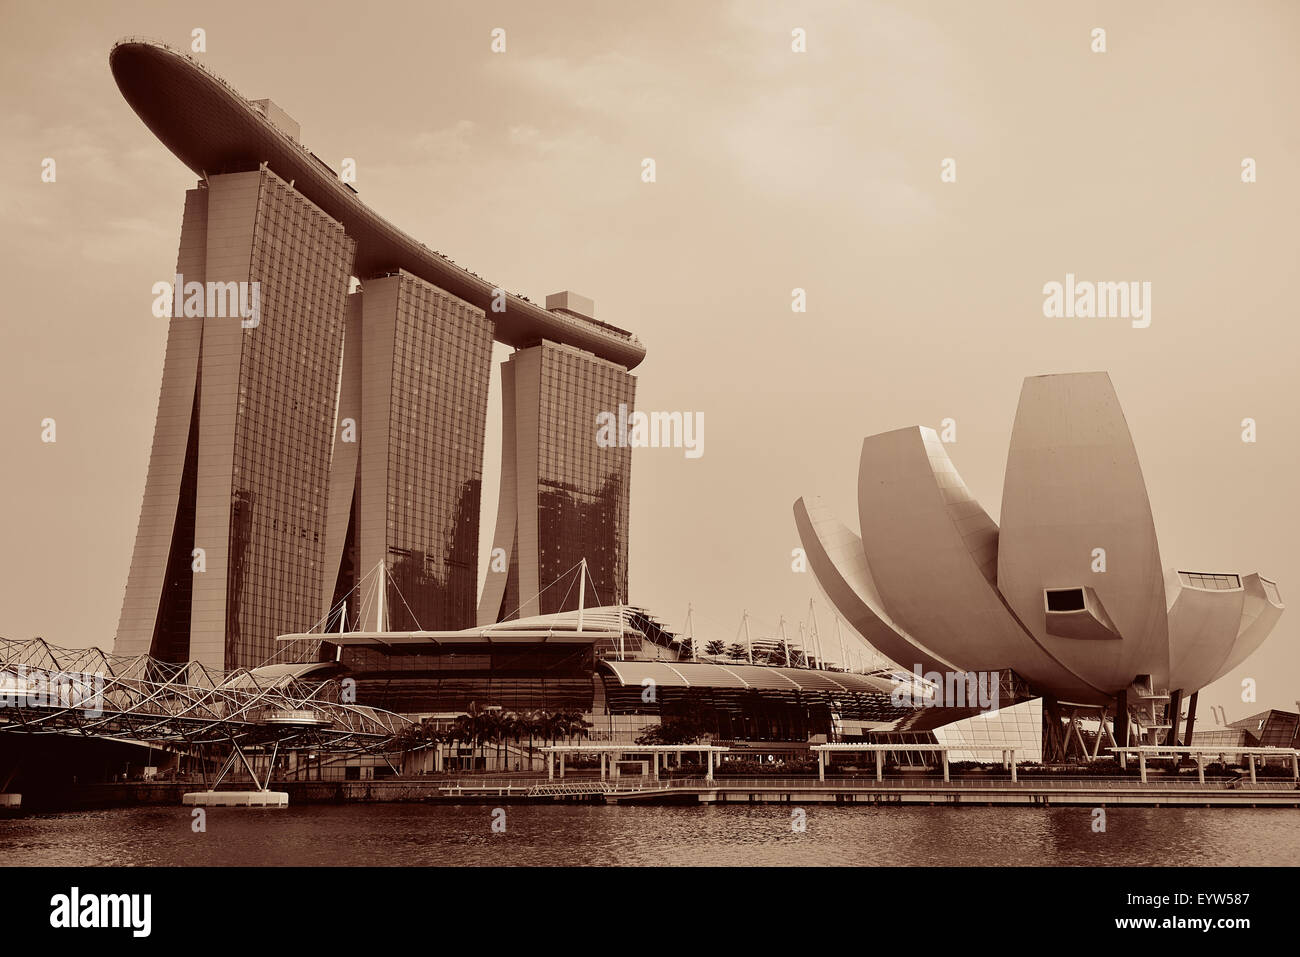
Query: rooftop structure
[{"x": 213, "y": 129}]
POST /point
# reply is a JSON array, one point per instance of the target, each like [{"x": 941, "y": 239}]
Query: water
[{"x": 432, "y": 834}]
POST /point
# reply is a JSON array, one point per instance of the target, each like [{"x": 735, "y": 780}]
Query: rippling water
[{"x": 429, "y": 834}]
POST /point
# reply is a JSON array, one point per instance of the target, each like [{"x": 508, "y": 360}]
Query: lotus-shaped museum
[{"x": 1069, "y": 593}]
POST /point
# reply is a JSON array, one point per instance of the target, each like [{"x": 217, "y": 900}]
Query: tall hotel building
[
  {"x": 563, "y": 497},
  {"x": 294, "y": 454}
]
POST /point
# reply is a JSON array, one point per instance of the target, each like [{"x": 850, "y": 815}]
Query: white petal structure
[
  {"x": 1069, "y": 593},
  {"x": 1204, "y": 617},
  {"x": 933, "y": 552},
  {"x": 835, "y": 555},
  {"x": 1074, "y": 503},
  {"x": 1260, "y": 612}
]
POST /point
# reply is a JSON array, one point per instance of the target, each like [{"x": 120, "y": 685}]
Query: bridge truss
[{"x": 298, "y": 706}]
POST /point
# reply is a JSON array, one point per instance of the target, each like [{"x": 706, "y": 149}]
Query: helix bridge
[{"x": 292, "y": 706}]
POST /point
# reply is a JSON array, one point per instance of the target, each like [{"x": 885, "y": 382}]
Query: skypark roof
[
  {"x": 602, "y": 622},
  {"x": 698, "y": 674},
  {"x": 213, "y": 129}
]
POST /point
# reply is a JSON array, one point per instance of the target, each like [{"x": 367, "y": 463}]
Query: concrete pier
[{"x": 236, "y": 799}]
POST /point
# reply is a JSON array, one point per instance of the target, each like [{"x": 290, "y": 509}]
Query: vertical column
[
  {"x": 709, "y": 755},
  {"x": 1175, "y": 706},
  {"x": 946, "y": 778},
  {"x": 1142, "y": 765},
  {"x": 602, "y": 765},
  {"x": 880, "y": 765},
  {"x": 1012, "y": 755},
  {"x": 1121, "y": 725},
  {"x": 821, "y": 765},
  {"x": 550, "y": 766},
  {"x": 1252, "y": 767},
  {"x": 1191, "y": 719},
  {"x": 561, "y": 765}
]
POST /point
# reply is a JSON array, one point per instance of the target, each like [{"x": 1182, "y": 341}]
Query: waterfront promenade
[{"x": 911, "y": 790}]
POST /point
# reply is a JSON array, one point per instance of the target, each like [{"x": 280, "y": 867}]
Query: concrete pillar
[
  {"x": 1251, "y": 758},
  {"x": 1175, "y": 706},
  {"x": 946, "y": 778},
  {"x": 1142, "y": 766},
  {"x": 821, "y": 765},
  {"x": 709, "y": 756},
  {"x": 561, "y": 765},
  {"x": 1191, "y": 719},
  {"x": 1121, "y": 725},
  {"x": 655, "y": 757},
  {"x": 880, "y": 765},
  {"x": 1200, "y": 768},
  {"x": 602, "y": 765},
  {"x": 1295, "y": 766},
  {"x": 1012, "y": 754},
  {"x": 550, "y": 765}
]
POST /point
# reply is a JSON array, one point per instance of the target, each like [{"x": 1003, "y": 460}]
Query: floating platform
[{"x": 236, "y": 799}]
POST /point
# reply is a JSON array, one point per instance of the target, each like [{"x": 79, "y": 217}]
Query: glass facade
[
  {"x": 288, "y": 379},
  {"x": 570, "y": 495},
  {"x": 582, "y": 489},
  {"x": 449, "y": 679},
  {"x": 442, "y": 358},
  {"x": 1210, "y": 580}
]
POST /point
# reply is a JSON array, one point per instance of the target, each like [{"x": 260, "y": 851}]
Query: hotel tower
[{"x": 342, "y": 427}]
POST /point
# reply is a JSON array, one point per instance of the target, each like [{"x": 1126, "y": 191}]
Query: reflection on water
[{"x": 420, "y": 834}]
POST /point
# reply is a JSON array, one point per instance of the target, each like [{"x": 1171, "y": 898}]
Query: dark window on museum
[{"x": 1065, "y": 599}]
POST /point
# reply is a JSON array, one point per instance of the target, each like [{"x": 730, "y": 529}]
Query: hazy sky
[{"x": 775, "y": 170}]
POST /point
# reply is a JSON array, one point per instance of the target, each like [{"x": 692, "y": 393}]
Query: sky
[{"x": 775, "y": 170}]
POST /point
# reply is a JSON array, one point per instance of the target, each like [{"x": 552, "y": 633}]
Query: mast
[
  {"x": 690, "y": 629},
  {"x": 843, "y": 658},
  {"x": 383, "y": 596},
  {"x": 816, "y": 634},
  {"x": 582, "y": 596},
  {"x": 748, "y": 644},
  {"x": 786, "y": 642}
]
